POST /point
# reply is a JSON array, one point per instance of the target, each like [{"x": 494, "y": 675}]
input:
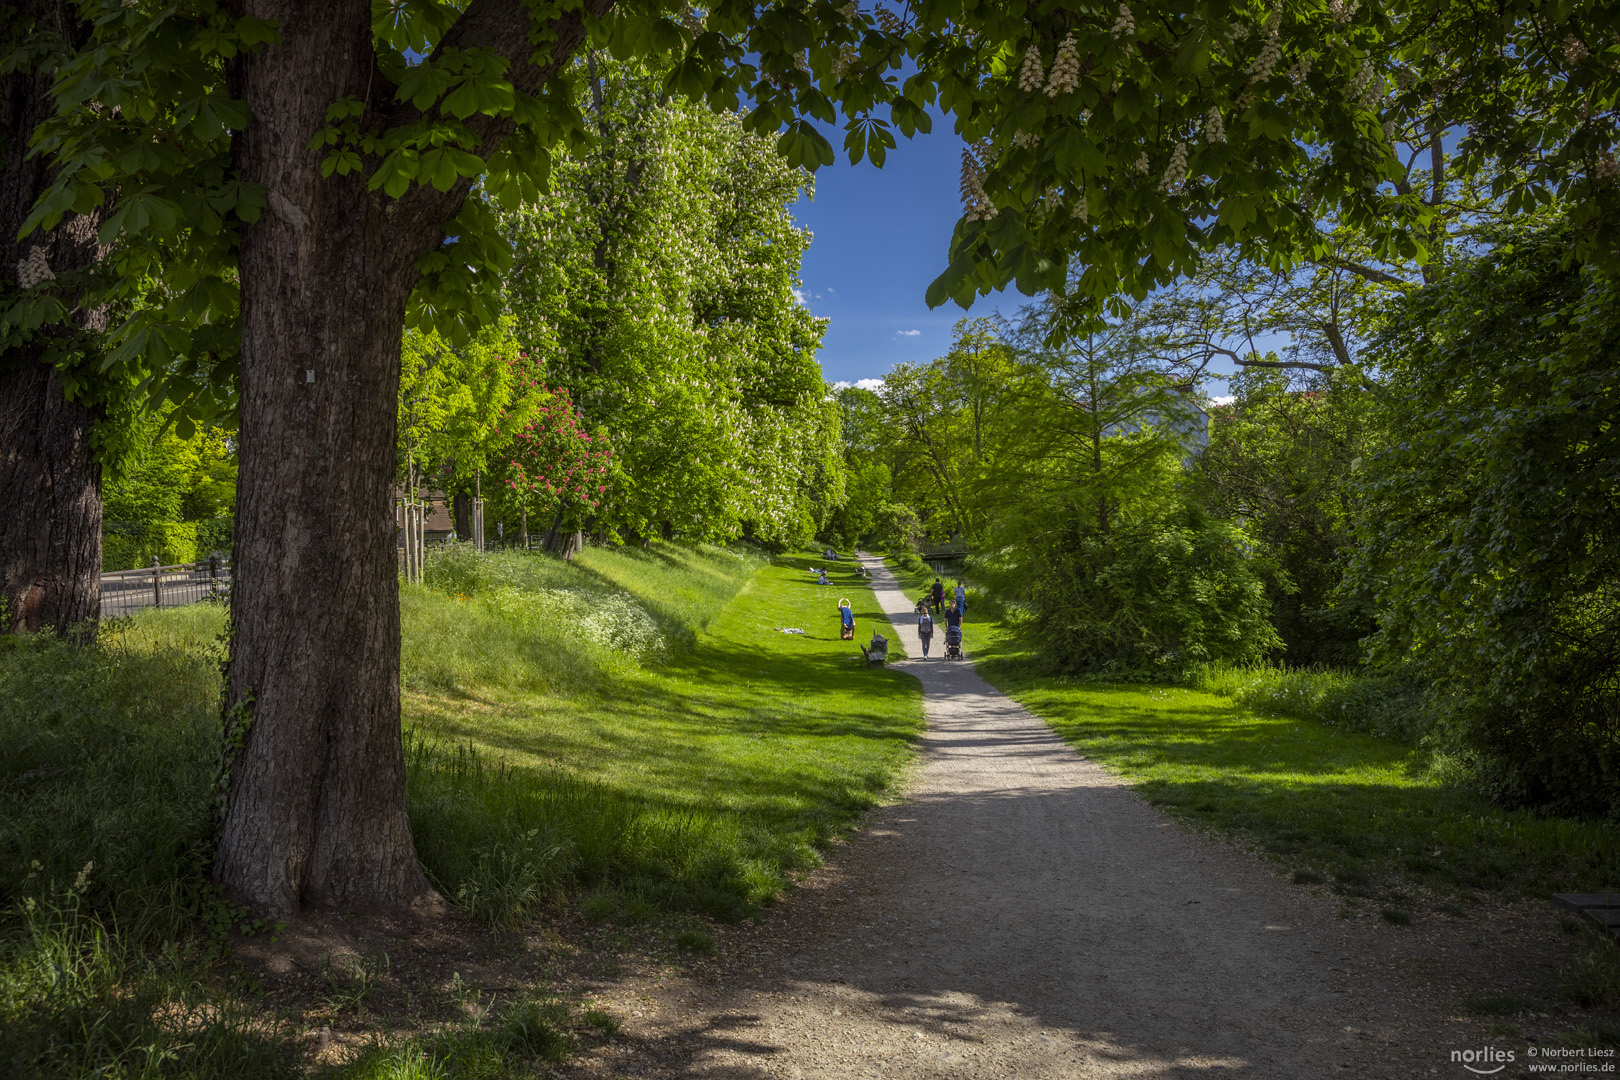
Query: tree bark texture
[
  {"x": 461, "y": 511},
  {"x": 50, "y": 530},
  {"x": 315, "y": 810},
  {"x": 50, "y": 477}
]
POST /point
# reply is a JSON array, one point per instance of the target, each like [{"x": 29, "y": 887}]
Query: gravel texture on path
[{"x": 1024, "y": 914}]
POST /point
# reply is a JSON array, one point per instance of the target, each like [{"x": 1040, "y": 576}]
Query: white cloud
[
  {"x": 1223, "y": 400},
  {"x": 862, "y": 384},
  {"x": 831, "y": 291},
  {"x": 908, "y": 333},
  {"x": 798, "y": 294}
]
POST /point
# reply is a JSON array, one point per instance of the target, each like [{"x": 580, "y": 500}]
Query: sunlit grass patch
[
  {"x": 696, "y": 784},
  {"x": 1361, "y": 811}
]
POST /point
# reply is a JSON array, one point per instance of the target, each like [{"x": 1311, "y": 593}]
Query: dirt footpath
[{"x": 1024, "y": 914}]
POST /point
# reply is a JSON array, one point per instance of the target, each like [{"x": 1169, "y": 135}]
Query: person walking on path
[
  {"x": 961, "y": 598},
  {"x": 953, "y": 617},
  {"x": 938, "y": 594},
  {"x": 925, "y": 628},
  {"x": 846, "y": 618}
]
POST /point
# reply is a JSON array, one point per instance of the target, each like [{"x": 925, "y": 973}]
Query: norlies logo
[{"x": 1484, "y": 1061}]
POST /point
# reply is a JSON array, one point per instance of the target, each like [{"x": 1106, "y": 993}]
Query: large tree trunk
[
  {"x": 50, "y": 524},
  {"x": 316, "y": 809},
  {"x": 315, "y": 806}
]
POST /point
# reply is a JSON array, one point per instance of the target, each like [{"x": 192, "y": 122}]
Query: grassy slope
[
  {"x": 697, "y": 783},
  {"x": 1364, "y": 812}
]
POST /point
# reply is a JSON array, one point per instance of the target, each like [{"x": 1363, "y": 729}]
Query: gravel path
[{"x": 1024, "y": 914}]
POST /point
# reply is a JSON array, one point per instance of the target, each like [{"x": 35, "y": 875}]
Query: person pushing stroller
[{"x": 953, "y": 632}]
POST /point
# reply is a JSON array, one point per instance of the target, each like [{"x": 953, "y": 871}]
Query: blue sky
[{"x": 881, "y": 235}]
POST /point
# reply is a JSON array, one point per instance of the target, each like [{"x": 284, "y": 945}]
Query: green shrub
[
  {"x": 130, "y": 545},
  {"x": 1161, "y": 597}
]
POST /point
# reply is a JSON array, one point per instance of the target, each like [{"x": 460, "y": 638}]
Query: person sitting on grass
[{"x": 846, "y": 619}]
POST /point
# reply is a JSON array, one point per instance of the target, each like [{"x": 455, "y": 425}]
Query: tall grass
[{"x": 1382, "y": 705}]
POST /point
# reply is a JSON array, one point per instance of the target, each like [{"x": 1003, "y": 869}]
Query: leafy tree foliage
[
  {"x": 1491, "y": 516},
  {"x": 1279, "y": 461},
  {"x": 656, "y": 282},
  {"x": 171, "y": 498}
]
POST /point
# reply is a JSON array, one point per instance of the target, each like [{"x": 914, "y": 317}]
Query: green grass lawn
[
  {"x": 628, "y": 732},
  {"x": 1368, "y": 815},
  {"x": 696, "y": 782}
]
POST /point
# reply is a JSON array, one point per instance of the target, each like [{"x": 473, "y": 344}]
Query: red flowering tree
[{"x": 555, "y": 465}]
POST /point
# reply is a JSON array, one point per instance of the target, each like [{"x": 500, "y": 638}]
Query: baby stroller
[{"x": 953, "y": 643}]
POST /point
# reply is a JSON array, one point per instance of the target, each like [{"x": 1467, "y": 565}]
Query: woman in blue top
[
  {"x": 847, "y": 618},
  {"x": 925, "y": 627},
  {"x": 961, "y": 598}
]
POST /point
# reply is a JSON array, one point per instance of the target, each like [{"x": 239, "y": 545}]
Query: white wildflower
[
  {"x": 1175, "y": 174},
  {"x": 1214, "y": 126},
  {"x": 1125, "y": 25},
  {"x": 1031, "y": 77},
  {"x": 33, "y": 269},
  {"x": 1065, "y": 74},
  {"x": 1575, "y": 50},
  {"x": 84, "y": 875}
]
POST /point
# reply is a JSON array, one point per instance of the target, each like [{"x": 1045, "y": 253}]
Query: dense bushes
[
  {"x": 1492, "y": 520},
  {"x": 1160, "y": 597}
]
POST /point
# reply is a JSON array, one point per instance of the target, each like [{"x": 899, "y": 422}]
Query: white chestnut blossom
[
  {"x": 34, "y": 268},
  {"x": 1300, "y": 69},
  {"x": 1342, "y": 10},
  {"x": 1575, "y": 50},
  {"x": 976, "y": 204},
  {"x": 1214, "y": 126},
  {"x": 1175, "y": 174},
  {"x": 1081, "y": 212},
  {"x": 1607, "y": 169},
  {"x": 1263, "y": 65},
  {"x": 1025, "y": 138},
  {"x": 1065, "y": 75},
  {"x": 1032, "y": 75},
  {"x": 1125, "y": 25}
]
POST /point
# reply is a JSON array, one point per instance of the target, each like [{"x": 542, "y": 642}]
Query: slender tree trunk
[
  {"x": 50, "y": 477},
  {"x": 461, "y": 510}
]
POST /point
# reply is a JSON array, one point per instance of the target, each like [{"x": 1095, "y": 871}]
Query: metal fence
[{"x": 127, "y": 591}]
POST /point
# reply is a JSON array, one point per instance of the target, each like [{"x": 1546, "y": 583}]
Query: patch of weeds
[
  {"x": 1593, "y": 981},
  {"x": 1398, "y": 896},
  {"x": 1501, "y": 1030},
  {"x": 1497, "y": 1004},
  {"x": 1573, "y": 925},
  {"x": 470, "y": 1053},
  {"x": 537, "y": 1028},
  {"x": 599, "y": 907},
  {"x": 1395, "y": 916},
  {"x": 1456, "y": 911},
  {"x": 392, "y": 1063},
  {"x": 1353, "y": 880},
  {"x": 1587, "y": 1036},
  {"x": 602, "y": 1022},
  {"x": 351, "y": 980},
  {"x": 1307, "y": 877},
  {"x": 695, "y": 939},
  {"x": 637, "y": 910}
]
